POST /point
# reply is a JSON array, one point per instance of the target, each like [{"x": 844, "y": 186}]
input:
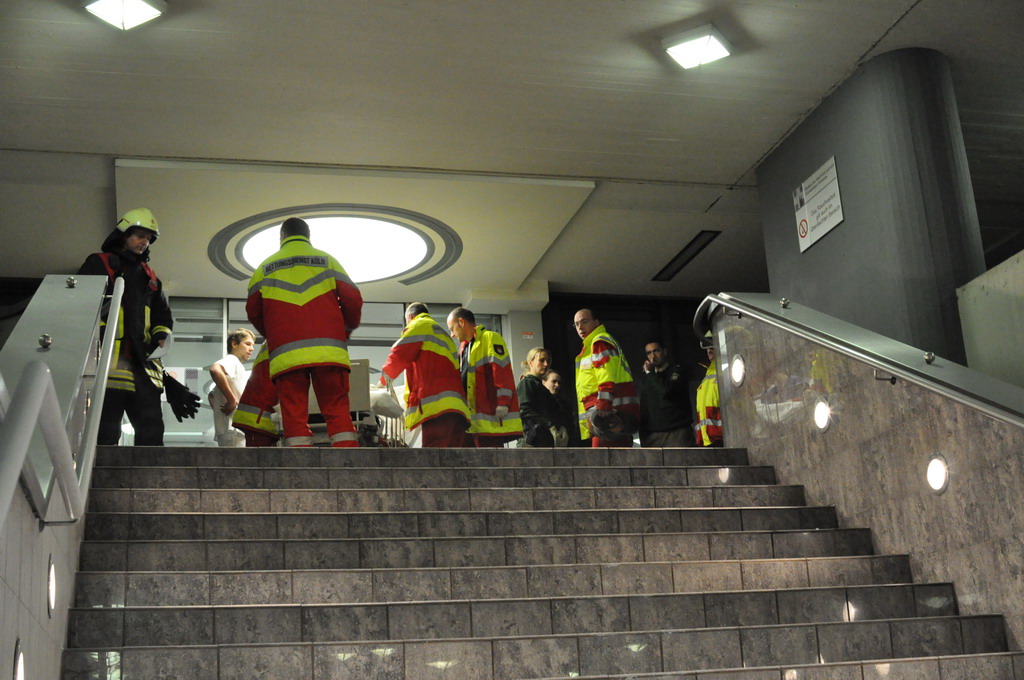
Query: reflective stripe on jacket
[
  {"x": 256, "y": 405},
  {"x": 305, "y": 305},
  {"x": 490, "y": 383},
  {"x": 709, "y": 416},
  {"x": 603, "y": 379},
  {"x": 434, "y": 386},
  {"x": 144, "y": 319}
]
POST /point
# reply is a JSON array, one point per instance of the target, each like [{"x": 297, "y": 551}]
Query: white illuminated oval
[
  {"x": 369, "y": 249},
  {"x": 822, "y": 414},
  {"x": 737, "y": 370},
  {"x": 19, "y": 661},
  {"x": 937, "y": 473},
  {"x": 51, "y": 588}
]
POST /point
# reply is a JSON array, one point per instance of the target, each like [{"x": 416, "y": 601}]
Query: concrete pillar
[{"x": 910, "y": 232}]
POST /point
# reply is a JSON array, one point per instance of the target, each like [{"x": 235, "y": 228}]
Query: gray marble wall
[{"x": 871, "y": 461}]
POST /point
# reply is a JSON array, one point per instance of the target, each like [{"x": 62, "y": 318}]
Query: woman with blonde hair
[{"x": 538, "y": 408}]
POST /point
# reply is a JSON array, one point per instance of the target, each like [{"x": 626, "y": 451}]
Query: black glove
[
  {"x": 183, "y": 403},
  {"x": 606, "y": 422}
]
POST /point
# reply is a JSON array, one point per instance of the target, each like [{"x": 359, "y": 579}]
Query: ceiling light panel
[
  {"x": 699, "y": 46},
  {"x": 126, "y": 14}
]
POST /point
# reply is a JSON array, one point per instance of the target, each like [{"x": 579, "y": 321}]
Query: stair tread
[
  {"x": 296, "y": 661},
  {"x": 936, "y": 598},
  {"x": 107, "y": 588},
  {"x": 215, "y": 625}
]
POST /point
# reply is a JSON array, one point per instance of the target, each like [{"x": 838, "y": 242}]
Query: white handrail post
[
  {"x": 87, "y": 447},
  {"x": 17, "y": 429}
]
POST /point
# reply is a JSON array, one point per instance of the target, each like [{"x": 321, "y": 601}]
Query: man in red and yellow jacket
[
  {"x": 435, "y": 400},
  {"x": 609, "y": 409},
  {"x": 254, "y": 413},
  {"x": 305, "y": 305},
  {"x": 490, "y": 384}
]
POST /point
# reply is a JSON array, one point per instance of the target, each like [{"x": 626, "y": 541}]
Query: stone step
[
  {"x": 318, "y": 622},
  {"x": 344, "y": 586},
  {"x": 373, "y": 553},
  {"x": 283, "y": 523},
  {"x": 418, "y": 500},
  {"x": 566, "y": 655},
  {"x": 427, "y": 477},
  {"x": 383, "y": 457},
  {"x": 990, "y": 666},
  {"x": 494, "y": 660}
]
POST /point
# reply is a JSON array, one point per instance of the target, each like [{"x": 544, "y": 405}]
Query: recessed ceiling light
[
  {"x": 699, "y": 46},
  {"x": 369, "y": 249},
  {"x": 684, "y": 256},
  {"x": 126, "y": 14}
]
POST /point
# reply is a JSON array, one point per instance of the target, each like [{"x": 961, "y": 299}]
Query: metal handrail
[
  {"x": 995, "y": 398},
  {"x": 35, "y": 402}
]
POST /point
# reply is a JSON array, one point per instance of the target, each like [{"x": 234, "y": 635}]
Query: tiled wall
[
  {"x": 25, "y": 552},
  {"x": 871, "y": 461}
]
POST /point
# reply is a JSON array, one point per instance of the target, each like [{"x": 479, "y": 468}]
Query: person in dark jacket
[
  {"x": 538, "y": 407},
  {"x": 664, "y": 401},
  {"x": 145, "y": 323}
]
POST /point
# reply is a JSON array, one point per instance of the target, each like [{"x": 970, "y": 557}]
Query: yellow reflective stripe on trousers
[{"x": 344, "y": 437}]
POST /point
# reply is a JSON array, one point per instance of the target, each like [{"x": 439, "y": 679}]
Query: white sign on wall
[{"x": 817, "y": 205}]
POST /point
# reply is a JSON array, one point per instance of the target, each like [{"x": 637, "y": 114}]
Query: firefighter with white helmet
[{"x": 135, "y": 381}]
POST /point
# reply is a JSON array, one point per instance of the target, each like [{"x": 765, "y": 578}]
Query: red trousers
[
  {"x": 330, "y": 384},
  {"x": 487, "y": 441},
  {"x": 446, "y": 430},
  {"x": 253, "y": 438},
  {"x": 611, "y": 440}
]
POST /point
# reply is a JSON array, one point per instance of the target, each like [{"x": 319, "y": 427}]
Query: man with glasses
[{"x": 605, "y": 394}]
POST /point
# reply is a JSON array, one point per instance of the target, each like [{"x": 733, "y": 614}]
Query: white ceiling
[{"x": 433, "y": 97}]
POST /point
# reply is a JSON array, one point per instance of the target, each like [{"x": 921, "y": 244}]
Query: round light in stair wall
[
  {"x": 19, "y": 662},
  {"x": 937, "y": 473},
  {"x": 737, "y": 370},
  {"x": 371, "y": 242},
  {"x": 822, "y": 414},
  {"x": 51, "y": 588}
]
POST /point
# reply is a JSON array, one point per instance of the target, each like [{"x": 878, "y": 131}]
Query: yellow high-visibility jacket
[
  {"x": 708, "y": 412},
  {"x": 305, "y": 305},
  {"x": 427, "y": 355},
  {"x": 603, "y": 379},
  {"x": 490, "y": 383}
]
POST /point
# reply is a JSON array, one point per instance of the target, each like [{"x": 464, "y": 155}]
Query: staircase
[{"x": 414, "y": 564}]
